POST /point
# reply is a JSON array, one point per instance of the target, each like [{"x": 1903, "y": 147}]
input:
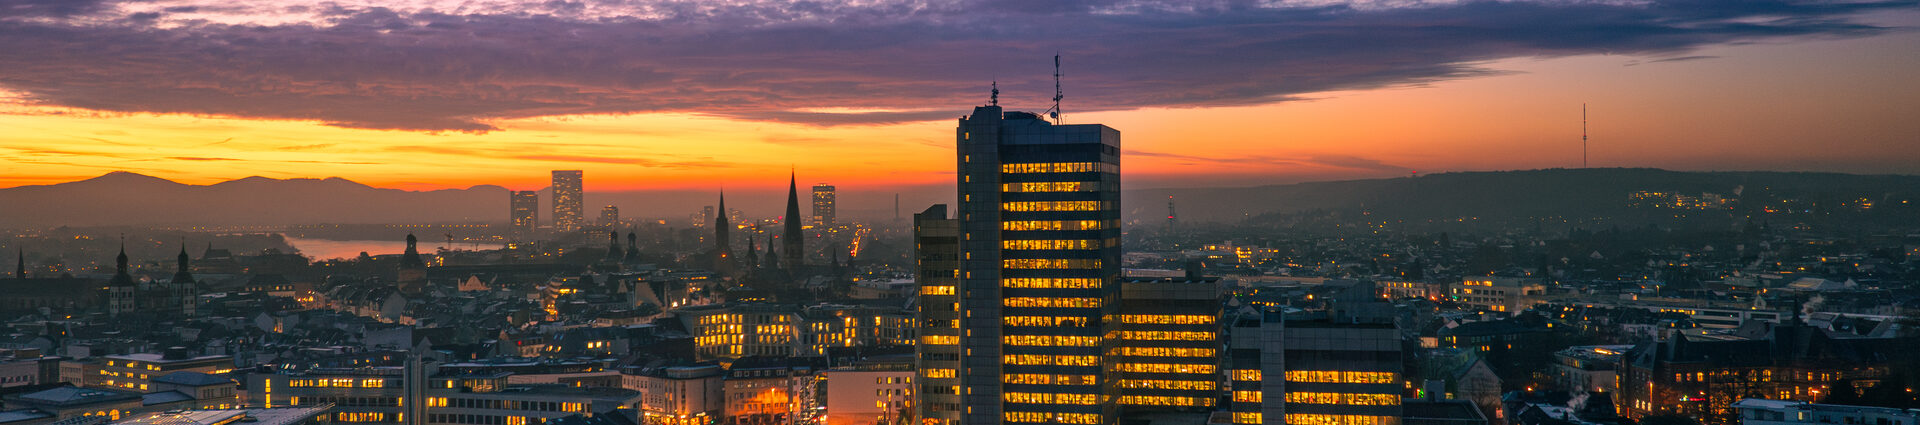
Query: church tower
[
  {"x": 185, "y": 291},
  {"x": 614, "y": 252},
  {"x": 722, "y": 246},
  {"x": 792, "y": 249},
  {"x": 413, "y": 270},
  {"x": 121, "y": 290}
]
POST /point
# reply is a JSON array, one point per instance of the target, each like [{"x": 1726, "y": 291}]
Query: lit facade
[
  {"x": 823, "y": 206},
  {"x": 610, "y": 216},
  {"x": 1499, "y": 294},
  {"x": 135, "y": 372},
  {"x": 1168, "y": 355},
  {"x": 936, "y": 250},
  {"x": 1039, "y": 210},
  {"x": 523, "y": 210},
  {"x": 568, "y": 197}
]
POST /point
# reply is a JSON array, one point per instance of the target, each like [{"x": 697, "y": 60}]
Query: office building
[
  {"x": 1758, "y": 411},
  {"x": 523, "y": 210},
  {"x": 1337, "y": 367},
  {"x": 135, "y": 372},
  {"x": 1039, "y": 268},
  {"x": 936, "y": 258},
  {"x": 823, "y": 207},
  {"x": 1168, "y": 355},
  {"x": 677, "y": 395},
  {"x": 567, "y": 200},
  {"x": 1702, "y": 377},
  {"x": 610, "y": 216},
  {"x": 870, "y": 393},
  {"x": 1510, "y": 295}
]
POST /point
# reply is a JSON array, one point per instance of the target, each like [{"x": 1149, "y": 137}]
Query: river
[{"x": 323, "y": 249}]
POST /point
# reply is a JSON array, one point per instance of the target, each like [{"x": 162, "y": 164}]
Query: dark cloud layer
[{"x": 809, "y": 62}]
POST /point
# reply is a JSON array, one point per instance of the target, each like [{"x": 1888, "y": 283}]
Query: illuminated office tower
[
  {"x": 1040, "y": 252},
  {"x": 823, "y": 198},
  {"x": 610, "y": 216},
  {"x": 936, "y": 261},
  {"x": 524, "y": 210},
  {"x": 567, "y": 208},
  {"x": 1168, "y": 355}
]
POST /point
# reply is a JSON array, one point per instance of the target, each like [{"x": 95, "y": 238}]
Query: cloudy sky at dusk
[{"x": 649, "y": 94}]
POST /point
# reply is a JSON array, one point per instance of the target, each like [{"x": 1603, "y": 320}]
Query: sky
[{"x": 690, "y": 95}]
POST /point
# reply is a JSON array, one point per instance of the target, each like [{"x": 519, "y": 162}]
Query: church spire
[
  {"x": 411, "y": 258},
  {"x": 793, "y": 246},
  {"x": 721, "y": 228},
  {"x": 633, "y": 246},
  {"x": 20, "y": 267},
  {"x": 613, "y": 247}
]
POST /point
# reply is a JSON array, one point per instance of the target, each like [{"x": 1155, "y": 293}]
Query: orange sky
[{"x": 1826, "y": 105}]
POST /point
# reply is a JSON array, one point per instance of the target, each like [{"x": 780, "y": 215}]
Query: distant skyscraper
[
  {"x": 567, "y": 200},
  {"x": 793, "y": 249},
  {"x": 524, "y": 210},
  {"x": 610, "y": 216},
  {"x": 823, "y": 211},
  {"x": 1039, "y": 268}
]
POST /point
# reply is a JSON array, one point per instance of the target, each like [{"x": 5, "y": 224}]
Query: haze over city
[
  {"x": 695, "y": 95},
  {"x": 960, "y": 212}
]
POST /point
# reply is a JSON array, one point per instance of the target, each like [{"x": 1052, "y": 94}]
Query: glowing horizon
[{"x": 1827, "y": 94}]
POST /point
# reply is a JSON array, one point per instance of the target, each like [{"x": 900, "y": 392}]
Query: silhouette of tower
[
  {"x": 20, "y": 269},
  {"x": 614, "y": 252},
  {"x": 792, "y": 248},
  {"x": 633, "y": 248},
  {"x": 753, "y": 254},
  {"x": 185, "y": 289},
  {"x": 121, "y": 289},
  {"x": 413, "y": 270},
  {"x": 722, "y": 245}
]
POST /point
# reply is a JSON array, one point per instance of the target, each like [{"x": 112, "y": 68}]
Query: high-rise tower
[
  {"x": 823, "y": 206},
  {"x": 567, "y": 200},
  {"x": 1039, "y": 268},
  {"x": 793, "y": 249},
  {"x": 936, "y": 261},
  {"x": 523, "y": 210}
]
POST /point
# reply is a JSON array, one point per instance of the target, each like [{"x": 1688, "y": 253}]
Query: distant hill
[
  {"x": 1586, "y": 192},
  {"x": 123, "y": 198}
]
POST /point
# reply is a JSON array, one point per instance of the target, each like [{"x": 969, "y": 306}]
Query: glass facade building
[{"x": 1039, "y": 216}]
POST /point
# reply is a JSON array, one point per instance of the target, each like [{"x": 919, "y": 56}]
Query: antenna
[
  {"x": 1170, "y": 214},
  {"x": 1055, "y": 112},
  {"x": 995, "y": 100},
  {"x": 1583, "y": 135}
]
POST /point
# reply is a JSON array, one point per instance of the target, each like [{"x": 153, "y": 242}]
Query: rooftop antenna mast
[
  {"x": 1170, "y": 214},
  {"x": 1055, "y": 112},
  {"x": 995, "y": 99},
  {"x": 1583, "y": 135}
]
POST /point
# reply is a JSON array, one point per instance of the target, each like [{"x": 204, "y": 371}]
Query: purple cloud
[{"x": 460, "y": 68}]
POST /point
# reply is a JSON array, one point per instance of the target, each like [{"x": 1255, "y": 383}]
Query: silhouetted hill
[
  {"x": 122, "y": 198},
  {"x": 1505, "y": 195}
]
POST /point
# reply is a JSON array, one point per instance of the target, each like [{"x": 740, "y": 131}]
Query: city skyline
[{"x": 1730, "y": 88}]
